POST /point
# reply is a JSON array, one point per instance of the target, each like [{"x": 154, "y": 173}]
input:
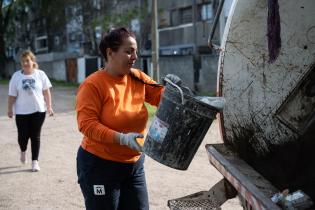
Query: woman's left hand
[{"x": 50, "y": 112}]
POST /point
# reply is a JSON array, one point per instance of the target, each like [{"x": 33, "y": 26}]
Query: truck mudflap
[{"x": 252, "y": 187}]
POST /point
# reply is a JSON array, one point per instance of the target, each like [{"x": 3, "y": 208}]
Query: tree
[
  {"x": 16, "y": 15},
  {"x": 11, "y": 11},
  {"x": 5, "y": 17},
  {"x": 21, "y": 21},
  {"x": 53, "y": 12},
  {"x": 105, "y": 15}
]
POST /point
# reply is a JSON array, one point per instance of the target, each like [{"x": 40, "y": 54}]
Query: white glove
[{"x": 129, "y": 139}]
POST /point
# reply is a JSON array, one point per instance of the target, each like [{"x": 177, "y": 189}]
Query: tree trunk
[
  {"x": 4, "y": 20},
  {"x": 2, "y": 56}
]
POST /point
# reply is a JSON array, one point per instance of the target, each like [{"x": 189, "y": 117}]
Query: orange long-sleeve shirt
[{"x": 106, "y": 104}]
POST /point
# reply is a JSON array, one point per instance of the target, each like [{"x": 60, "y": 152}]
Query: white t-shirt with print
[{"x": 28, "y": 90}]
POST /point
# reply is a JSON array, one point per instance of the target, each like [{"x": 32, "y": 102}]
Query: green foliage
[
  {"x": 210, "y": 94},
  {"x": 53, "y": 12},
  {"x": 19, "y": 13},
  {"x": 63, "y": 83},
  {"x": 151, "y": 110},
  {"x": 120, "y": 19},
  {"x": 5, "y": 20}
]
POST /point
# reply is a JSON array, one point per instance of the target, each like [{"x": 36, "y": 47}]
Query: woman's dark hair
[{"x": 114, "y": 39}]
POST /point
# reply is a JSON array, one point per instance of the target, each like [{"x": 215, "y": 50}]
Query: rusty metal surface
[
  {"x": 254, "y": 188},
  {"x": 251, "y": 175}
]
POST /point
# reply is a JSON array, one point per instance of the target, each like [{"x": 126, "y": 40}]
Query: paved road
[{"x": 55, "y": 187}]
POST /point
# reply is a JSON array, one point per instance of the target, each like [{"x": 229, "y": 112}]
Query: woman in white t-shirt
[{"x": 29, "y": 99}]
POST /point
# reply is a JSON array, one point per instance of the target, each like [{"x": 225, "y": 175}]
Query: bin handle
[
  {"x": 189, "y": 90},
  {"x": 214, "y": 24},
  {"x": 180, "y": 90}
]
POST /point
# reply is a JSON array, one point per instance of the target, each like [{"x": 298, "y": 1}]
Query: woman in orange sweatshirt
[{"x": 112, "y": 117}]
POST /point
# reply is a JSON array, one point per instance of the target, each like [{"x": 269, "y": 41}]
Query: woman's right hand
[
  {"x": 130, "y": 140},
  {"x": 11, "y": 101},
  {"x": 50, "y": 112}
]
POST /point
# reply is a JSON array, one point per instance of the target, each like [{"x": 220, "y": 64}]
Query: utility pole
[
  {"x": 196, "y": 56},
  {"x": 155, "y": 43}
]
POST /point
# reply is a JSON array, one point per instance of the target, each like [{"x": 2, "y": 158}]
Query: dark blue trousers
[{"x": 109, "y": 185}]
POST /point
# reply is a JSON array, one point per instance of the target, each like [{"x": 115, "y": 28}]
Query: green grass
[
  {"x": 4, "y": 81},
  {"x": 151, "y": 110},
  {"x": 59, "y": 83},
  {"x": 204, "y": 93}
]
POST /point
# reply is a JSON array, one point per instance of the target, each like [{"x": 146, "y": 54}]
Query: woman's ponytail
[{"x": 35, "y": 65}]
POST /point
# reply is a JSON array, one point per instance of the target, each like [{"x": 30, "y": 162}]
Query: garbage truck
[{"x": 266, "y": 73}]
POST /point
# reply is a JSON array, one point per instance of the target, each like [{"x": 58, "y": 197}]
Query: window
[
  {"x": 164, "y": 19},
  {"x": 41, "y": 44},
  {"x": 185, "y": 15},
  {"x": 79, "y": 37},
  {"x": 98, "y": 32},
  {"x": 72, "y": 37},
  {"x": 57, "y": 41},
  {"x": 135, "y": 25},
  {"x": 174, "y": 17},
  {"x": 205, "y": 11}
]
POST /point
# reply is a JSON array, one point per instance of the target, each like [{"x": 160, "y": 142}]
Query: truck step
[{"x": 197, "y": 201}]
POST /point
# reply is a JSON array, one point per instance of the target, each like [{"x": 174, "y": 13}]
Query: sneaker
[
  {"x": 35, "y": 166},
  {"x": 23, "y": 158}
]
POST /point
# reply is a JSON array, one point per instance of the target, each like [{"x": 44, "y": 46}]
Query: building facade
[{"x": 183, "y": 30}]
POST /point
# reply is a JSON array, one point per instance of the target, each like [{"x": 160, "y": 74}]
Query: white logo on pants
[{"x": 99, "y": 189}]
